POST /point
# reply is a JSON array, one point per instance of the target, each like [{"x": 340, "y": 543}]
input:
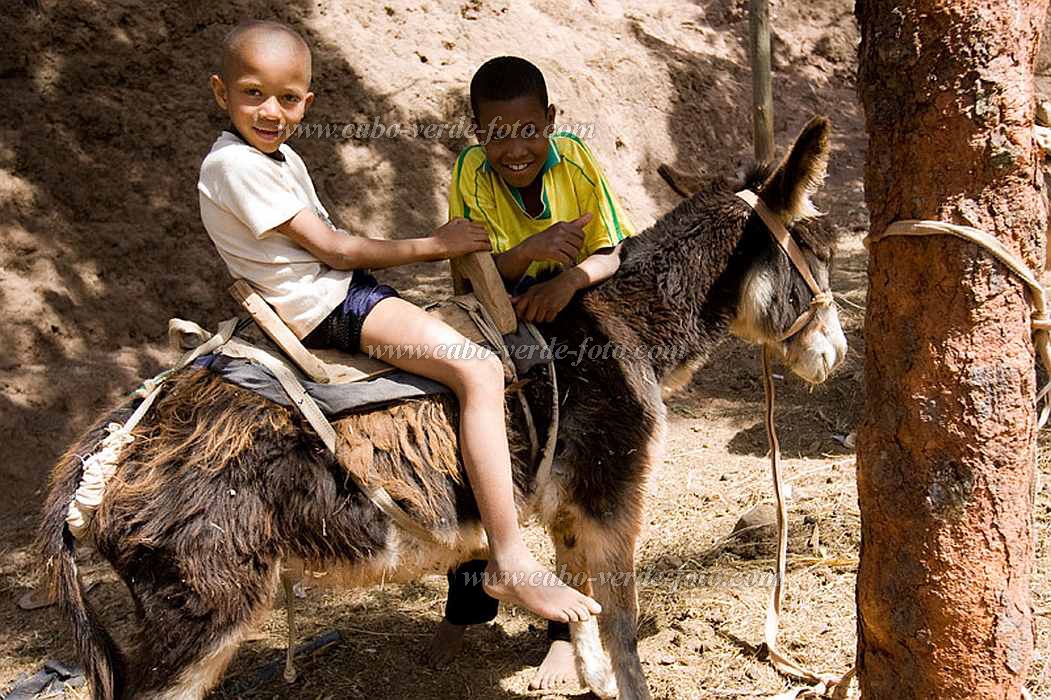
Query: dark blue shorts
[
  {"x": 469, "y": 604},
  {"x": 341, "y": 329}
]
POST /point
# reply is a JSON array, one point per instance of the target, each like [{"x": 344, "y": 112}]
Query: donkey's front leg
[
  {"x": 610, "y": 550},
  {"x": 571, "y": 563}
]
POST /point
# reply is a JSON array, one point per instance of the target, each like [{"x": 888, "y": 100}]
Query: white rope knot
[
  {"x": 146, "y": 389},
  {"x": 98, "y": 468}
]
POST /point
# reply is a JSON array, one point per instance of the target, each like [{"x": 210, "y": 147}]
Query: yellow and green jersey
[{"x": 572, "y": 185}]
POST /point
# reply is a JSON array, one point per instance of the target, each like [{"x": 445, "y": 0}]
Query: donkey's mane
[
  {"x": 679, "y": 223},
  {"x": 682, "y": 222}
]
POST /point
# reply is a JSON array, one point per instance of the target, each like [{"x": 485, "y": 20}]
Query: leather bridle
[{"x": 784, "y": 239}]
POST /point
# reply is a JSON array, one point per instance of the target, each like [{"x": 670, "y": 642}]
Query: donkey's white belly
[{"x": 403, "y": 559}]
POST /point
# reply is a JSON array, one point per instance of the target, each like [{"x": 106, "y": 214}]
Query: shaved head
[{"x": 255, "y": 36}]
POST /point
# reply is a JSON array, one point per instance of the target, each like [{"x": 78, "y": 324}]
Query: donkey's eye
[{"x": 793, "y": 298}]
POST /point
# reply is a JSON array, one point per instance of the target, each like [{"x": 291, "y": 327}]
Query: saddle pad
[{"x": 334, "y": 399}]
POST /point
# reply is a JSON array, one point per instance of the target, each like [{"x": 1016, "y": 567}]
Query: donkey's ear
[{"x": 787, "y": 191}]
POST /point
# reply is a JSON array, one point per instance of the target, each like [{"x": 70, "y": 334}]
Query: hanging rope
[{"x": 817, "y": 683}]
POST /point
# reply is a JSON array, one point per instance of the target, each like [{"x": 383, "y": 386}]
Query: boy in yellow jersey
[
  {"x": 555, "y": 228},
  {"x": 553, "y": 222}
]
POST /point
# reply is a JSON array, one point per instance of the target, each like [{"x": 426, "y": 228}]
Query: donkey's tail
[{"x": 103, "y": 662}]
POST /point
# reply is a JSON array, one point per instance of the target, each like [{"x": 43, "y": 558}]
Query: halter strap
[{"x": 795, "y": 254}]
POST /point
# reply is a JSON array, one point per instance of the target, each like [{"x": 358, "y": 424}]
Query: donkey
[{"x": 222, "y": 488}]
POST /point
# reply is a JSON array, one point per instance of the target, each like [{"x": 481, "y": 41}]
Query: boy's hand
[
  {"x": 560, "y": 243},
  {"x": 543, "y": 301},
  {"x": 460, "y": 237}
]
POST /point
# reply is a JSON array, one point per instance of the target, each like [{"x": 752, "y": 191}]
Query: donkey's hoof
[
  {"x": 604, "y": 687},
  {"x": 592, "y": 662}
]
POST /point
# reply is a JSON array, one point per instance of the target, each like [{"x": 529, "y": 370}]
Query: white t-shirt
[{"x": 244, "y": 194}]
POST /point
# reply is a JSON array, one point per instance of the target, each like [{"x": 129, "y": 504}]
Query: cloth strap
[
  {"x": 788, "y": 244},
  {"x": 100, "y": 465},
  {"x": 1041, "y": 323},
  {"x": 236, "y": 347}
]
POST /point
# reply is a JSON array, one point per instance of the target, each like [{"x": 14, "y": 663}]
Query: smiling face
[
  {"x": 514, "y": 135},
  {"x": 265, "y": 89}
]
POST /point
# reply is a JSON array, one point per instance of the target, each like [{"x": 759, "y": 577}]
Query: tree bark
[{"x": 946, "y": 450}]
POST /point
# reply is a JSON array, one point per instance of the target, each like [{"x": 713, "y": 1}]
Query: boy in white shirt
[{"x": 261, "y": 211}]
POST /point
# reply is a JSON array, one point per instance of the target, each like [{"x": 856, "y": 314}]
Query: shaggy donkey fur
[{"x": 221, "y": 488}]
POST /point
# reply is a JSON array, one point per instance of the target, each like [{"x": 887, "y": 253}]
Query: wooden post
[
  {"x": 477, "y": 273},
  {"x": 762, "y": 89}
]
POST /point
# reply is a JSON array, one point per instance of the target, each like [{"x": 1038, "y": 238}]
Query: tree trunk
[{"x": 946, "y": 451}]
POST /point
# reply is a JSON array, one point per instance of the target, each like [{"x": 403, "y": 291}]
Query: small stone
[
  {"x": 672, "y": 562},
  {"x": 1043, "y": 112},
  {"x": 755, "y": 533},
  {"x": 759, "y": 522}
]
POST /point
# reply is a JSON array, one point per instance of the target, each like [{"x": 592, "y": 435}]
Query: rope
[
  {"x": 547, "y": 457},
  {"x": 818, "y": 683},
  {"x": 1040, "y": 321},
  {"x": 1041, "y": 324},
  {"x": 481, "y": 317},
  {"x": 99, "y": 467}
]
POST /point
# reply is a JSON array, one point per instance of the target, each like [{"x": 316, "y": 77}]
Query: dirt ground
[{"x": 100, "y": 244}]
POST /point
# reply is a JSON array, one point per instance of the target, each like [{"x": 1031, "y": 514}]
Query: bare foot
[
  {"x": 445, "y": 645},
  {"x": 523, "y": 581},
  {"x": 558, "y": 668}
]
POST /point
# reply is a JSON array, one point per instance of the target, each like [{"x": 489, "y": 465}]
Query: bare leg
[
  {"x": 513, "y": 575},
  {"x": 466, "y": 604},
  {"x": 559, "y": 667}
]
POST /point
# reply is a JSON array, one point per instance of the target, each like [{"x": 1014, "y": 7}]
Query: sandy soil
[{"x": 109, "y": 116}]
